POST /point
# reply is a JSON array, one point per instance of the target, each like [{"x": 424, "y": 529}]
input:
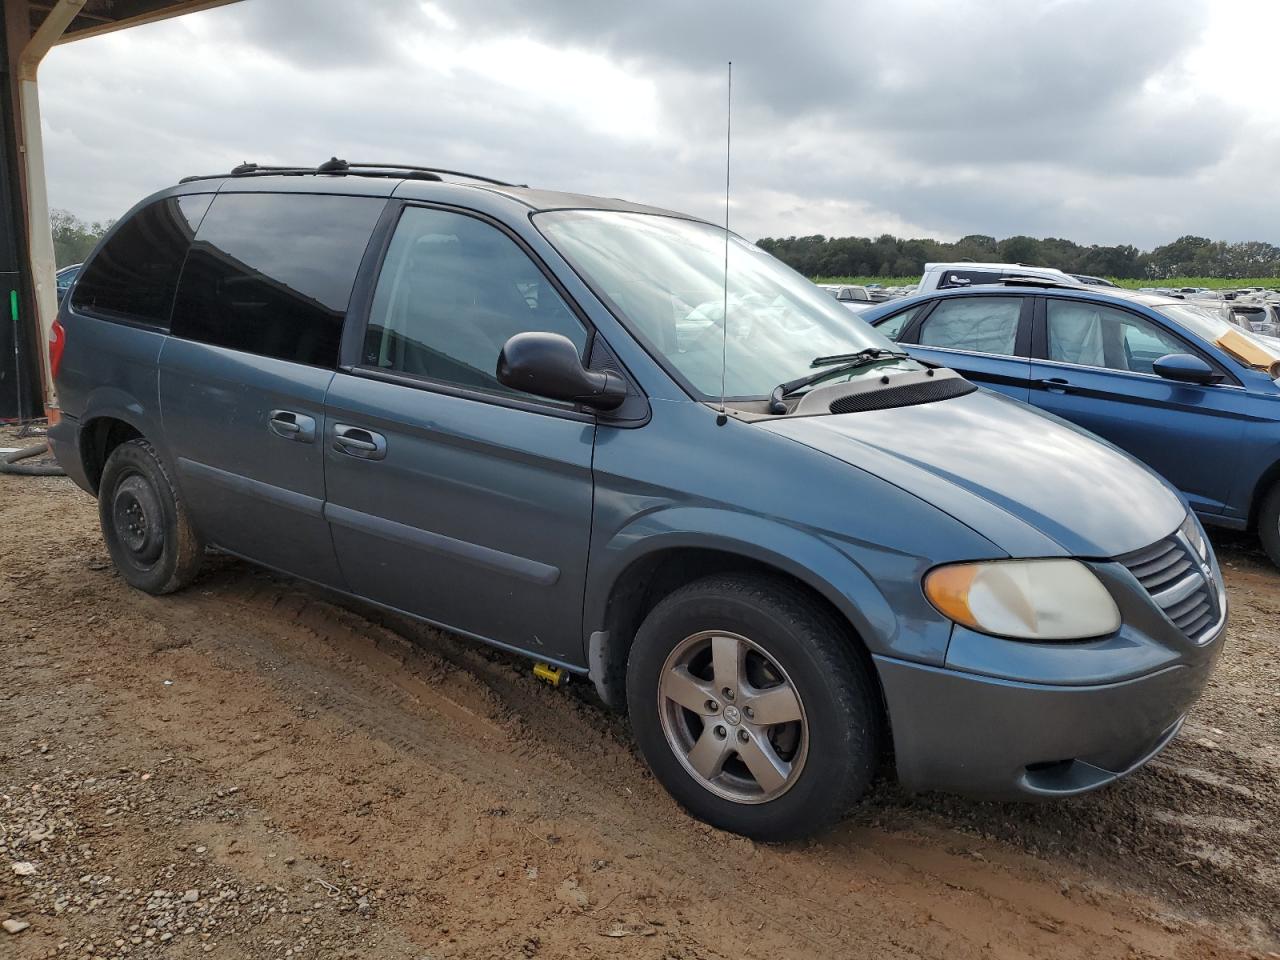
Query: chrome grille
[{"x": 1180, "y": 581}]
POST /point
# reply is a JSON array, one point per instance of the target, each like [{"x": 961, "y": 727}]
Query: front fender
[
  {"x": 810, "y": 558},
  {"x": 1259, "y": 472}
]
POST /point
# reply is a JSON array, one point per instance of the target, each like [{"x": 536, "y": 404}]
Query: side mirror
[
  {"x": 548, "y": 365},
  {"x": 1185, "y": 368}
]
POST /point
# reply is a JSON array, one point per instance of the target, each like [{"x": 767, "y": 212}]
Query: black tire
[
  {"x": 820, "y": 660},
  {"x": 148, "y": 534},
  {"x": 1269, "y": 524}
]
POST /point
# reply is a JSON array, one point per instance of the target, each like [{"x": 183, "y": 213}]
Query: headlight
[
  {"x": 1024, "y": 599},
  {"x": 1195, "y": 536}
]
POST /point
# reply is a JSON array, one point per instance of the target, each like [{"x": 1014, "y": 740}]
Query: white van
[{"x": 941, "y": 276}]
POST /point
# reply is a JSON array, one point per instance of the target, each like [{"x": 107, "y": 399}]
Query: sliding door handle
[{"x": 359, "y": 442}]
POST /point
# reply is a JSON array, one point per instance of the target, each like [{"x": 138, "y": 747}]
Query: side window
[
  {"x": 1099, "y": 336},
  {"x": 271, "y": 274},
  {"x": 980, "y": 324},
  {"x": 452, "y": 291},
  {"x": 134, "y": 274},
  {"x": 967, "y": 278},
  {"x": 893, "y": 327}
]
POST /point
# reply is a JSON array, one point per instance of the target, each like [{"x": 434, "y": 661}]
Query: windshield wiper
[
  {"x": 837, "y": 364},
  {"x": 874, "y": 353}
]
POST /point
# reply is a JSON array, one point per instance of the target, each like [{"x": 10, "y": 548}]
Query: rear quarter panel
[{"x": 110, "y": 370}]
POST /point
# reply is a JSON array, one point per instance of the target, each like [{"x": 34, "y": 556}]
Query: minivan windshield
[{"x": 666, "y": 277}]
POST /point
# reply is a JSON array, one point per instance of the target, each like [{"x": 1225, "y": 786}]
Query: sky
[{"x": 1096, "y": 120}]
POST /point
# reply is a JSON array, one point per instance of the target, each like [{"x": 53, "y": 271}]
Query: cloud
[
  {"x": 321, "y": 35},
  {"x": 1090, "y": 119}
]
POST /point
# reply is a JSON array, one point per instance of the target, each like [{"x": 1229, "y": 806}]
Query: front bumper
[{"x": 1003, "y": 739}]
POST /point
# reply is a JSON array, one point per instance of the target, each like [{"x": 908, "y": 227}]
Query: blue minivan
[
  {"x": 1168, "y": 380},
  {"x": 633, "y": 448}
]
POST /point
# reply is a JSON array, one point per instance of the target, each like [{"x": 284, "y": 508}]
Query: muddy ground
[{"x": 253, "y": 769}]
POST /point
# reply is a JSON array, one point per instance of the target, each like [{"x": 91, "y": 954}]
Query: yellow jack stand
[{"x": 556, "y": 676}]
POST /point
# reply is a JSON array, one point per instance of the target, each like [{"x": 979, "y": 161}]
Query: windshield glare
[
  {"x": 1209, "y": 324},
  {"x": 666, "y": 277}
]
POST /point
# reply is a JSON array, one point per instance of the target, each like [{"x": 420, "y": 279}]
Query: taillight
[{"x": 57, "y": 340}]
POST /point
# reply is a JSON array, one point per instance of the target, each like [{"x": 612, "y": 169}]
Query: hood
[{"x": 1032, "y": 484}]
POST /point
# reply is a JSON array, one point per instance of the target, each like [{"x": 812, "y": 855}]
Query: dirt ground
[{"x": 253, "y": 769}]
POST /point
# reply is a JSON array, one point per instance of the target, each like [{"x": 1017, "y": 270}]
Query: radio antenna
[{"x": 722, "y": 418}]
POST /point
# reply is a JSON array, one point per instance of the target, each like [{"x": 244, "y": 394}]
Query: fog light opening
[{"x": 1045, "y": 766}]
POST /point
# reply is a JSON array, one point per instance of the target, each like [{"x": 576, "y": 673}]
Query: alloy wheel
[{"x": 732, "y": 716}]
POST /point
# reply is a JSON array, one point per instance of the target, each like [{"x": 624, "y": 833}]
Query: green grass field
[{"x": 1214, "y": 283}]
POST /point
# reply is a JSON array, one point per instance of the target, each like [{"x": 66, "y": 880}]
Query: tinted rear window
[
  {"x": 133, "y": 276},
  {"x": 271, "y": 274}
]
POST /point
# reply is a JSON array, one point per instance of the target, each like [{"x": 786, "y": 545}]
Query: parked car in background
[
  {"x": 856, "y": 298},
  {"x": 1254, "y": 315},
  {"x": 1089, "y": 281},
  {"x": 1170, "y": 381},
  {"x": 473, "y": 403},
  {"x": 65, "y": 278},
  {"x": 946, "y": 276}
]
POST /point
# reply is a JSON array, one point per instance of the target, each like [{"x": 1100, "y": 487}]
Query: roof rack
[
  {"x": 340, "y": 168},
  {"x": 434, "y": 170}
]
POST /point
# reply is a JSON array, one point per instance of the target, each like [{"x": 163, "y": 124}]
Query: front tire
[
  {"x": 753, "y": 706},
  {"x": 1269, "y": 524},
  {"x": 148, "y": 534}
]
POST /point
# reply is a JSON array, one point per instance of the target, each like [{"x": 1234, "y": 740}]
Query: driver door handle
[
  {"x": 292, "y": 426},
  {"x": 359, "y": 442},
  {"x": 1057, "y": 385}
]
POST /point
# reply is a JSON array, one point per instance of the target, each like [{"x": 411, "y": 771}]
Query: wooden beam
[
  {"x": 46, "y": 35},
  {"x": 83, "y": 14},
  {"x": 164, "y": 12}
]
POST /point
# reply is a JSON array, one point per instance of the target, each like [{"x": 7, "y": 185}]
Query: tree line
[
  {"x": 73, "y": 239},
  {"x": 889, "y": 256}
]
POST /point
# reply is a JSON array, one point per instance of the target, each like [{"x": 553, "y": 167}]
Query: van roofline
[
  {"x": 982, "y": 265},
  {"x": 400, "y": 180}
]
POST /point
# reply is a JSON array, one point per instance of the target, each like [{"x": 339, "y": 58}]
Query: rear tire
[
  {"x": 1269, "y": 524},
  {"x": 793, "y": 741},
  {"x": 148, "y": 534}
]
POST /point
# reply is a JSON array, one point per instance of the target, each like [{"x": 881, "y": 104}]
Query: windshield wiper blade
[
  {"x": 836, "y": 365},
  {"x": 873, "y": 352}
]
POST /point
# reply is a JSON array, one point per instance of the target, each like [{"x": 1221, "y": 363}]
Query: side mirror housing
[
  {"x": 548, "y": 365},
  {"x": 1185, "y": 368}
]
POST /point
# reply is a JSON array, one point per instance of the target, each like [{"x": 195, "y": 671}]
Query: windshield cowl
[{"x": 836, "y": 366}]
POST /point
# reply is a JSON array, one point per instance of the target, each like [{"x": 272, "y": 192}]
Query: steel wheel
[
  {"x": 138, "y": 520},
  {"x": 146, "y": 528},
  {"x": 732, "y": 717}
]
